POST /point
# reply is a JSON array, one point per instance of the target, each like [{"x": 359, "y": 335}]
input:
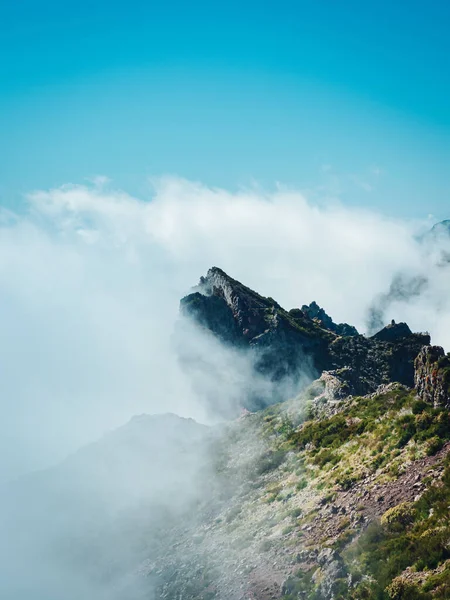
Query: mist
[
  {"x": 91, "y": 278},
  {"x": 90, "y": 283}
]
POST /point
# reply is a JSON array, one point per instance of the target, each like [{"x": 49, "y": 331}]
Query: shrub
[
  {"x": 326, "y": 456},
  {"x": 398, "y": 517},
  {"x": 419, "y": 406},
  {"x": 265, "y": 545},
  {"x": 302, "y": 484},
  {"x": 343, "y": 539},
  {"x": 346, "y": 481},
  {"x": 407, "y": 428},
  {"x": 402, "y": 589},
  {"x": 270, "y": 461},
  {"x": 423, "y": 421},
  {"x": 433, "y": 445}
]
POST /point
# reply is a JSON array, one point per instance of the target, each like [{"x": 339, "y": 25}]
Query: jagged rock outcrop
[
  {"x": 315, "y": 312},
  {"x": 336, "y": 386},
  {"x": 394, "y": 331},
  {"x": 373, "y": 362},
  {"x": 286, "y": 343},
  {"x": 432, "y": 376}
]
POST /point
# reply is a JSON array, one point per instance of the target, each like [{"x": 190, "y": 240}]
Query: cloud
[{"x": 90, "y": 279}]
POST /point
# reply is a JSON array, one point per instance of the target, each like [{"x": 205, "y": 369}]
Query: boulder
[{"x": 432, "y": 376}]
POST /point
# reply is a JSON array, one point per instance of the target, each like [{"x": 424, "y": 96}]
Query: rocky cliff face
[
  {"x": 282, "y": 341},
  {"x": 378, "y": 360},
  {"x": 315, "y": 312},
  {"x": 285, "y": 343},
  {"x": 432, "y": 376}
]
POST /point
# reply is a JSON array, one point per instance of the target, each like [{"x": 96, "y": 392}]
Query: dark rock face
[
  {"x": 394, "y": 331},
  {"x": 213, "y": 312},
  {"x": 432, "y": 376},
  {"x": 315, "y": 312},
  {"x": 373, "y": 362},
  {"x": 285, "y": 343}
]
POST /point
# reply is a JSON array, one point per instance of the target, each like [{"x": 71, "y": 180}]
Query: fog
[{"x": 90, "y": 281}]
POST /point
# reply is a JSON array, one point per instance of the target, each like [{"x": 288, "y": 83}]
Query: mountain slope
[
  {"x": 340, "y": 492},
  {"x": 333, "y": 501},
  {"x": 83, "y": 527}
]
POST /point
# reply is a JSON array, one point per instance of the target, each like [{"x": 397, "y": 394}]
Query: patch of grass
[
  {"x": 288, "y": 529},
  {"x": 411, "y": 535},
  {"x": 326, "y": 456},
  {"x": 295, "y": 513}
]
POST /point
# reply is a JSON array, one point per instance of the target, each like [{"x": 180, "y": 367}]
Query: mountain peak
[
  {"x": 393, "y": 331},
  {"x": 289, "y": 344},
  {"x": 442, "y": 226},
  {"x": 315, "y": 312}
]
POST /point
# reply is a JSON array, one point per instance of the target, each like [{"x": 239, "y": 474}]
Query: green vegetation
[
  {"x": 398, "y": 517},
  {"x": 412, "y": 536},
  {"x": 369, "y": 435},
  {"x": 270, "y": 461},
  {"x": 303, "y": 459},
  {"x": 298, "y": 586},
  {"x": 403, "y": 555}
]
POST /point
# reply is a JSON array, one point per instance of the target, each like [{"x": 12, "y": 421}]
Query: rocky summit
[
  {"x": 432, "y": 376},
  {"x": 315, "y": 312},
  {"x": 287, "y": 343}
]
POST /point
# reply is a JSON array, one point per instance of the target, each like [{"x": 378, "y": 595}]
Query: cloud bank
[{"x": 91, "y": 277}]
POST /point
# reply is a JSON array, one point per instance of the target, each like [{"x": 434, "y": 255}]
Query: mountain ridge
[
  {"x": 283, "y": 341},
  {"x": 338, "y": 492}
]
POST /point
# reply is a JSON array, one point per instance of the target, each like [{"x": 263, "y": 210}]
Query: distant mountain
[
  {"x": 407, "y": 286},
  {"x": 83, "y": 526},
  {"x": 441, "y": 229}
]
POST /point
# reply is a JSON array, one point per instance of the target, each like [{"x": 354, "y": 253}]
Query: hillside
[
  {"x": 83, "y": 526},
  {"x": 338, "y": 492},
  {"x": 346, "y": 495},
  {"x": 350, "y": 503}
]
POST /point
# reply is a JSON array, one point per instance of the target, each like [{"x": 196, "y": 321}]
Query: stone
[{"x": 432, "y": 376}]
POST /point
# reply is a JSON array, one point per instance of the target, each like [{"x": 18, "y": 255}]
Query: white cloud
[{"x": 90, "y": 280}]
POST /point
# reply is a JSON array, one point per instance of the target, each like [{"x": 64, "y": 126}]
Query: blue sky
[{"x": 343, "y": 98}]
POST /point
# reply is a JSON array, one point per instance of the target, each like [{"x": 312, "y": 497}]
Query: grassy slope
[
  {"x": 366, "y": 481},
  {"x": 374, "y": 441}
]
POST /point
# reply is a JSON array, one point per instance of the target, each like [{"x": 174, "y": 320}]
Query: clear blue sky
[{"x": 347, "y": 95}]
